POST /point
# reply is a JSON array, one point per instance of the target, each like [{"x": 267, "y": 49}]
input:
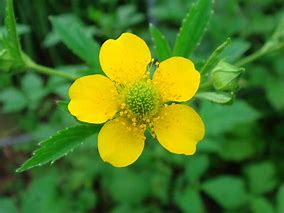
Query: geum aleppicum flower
[{"x": 129, "y": 101}]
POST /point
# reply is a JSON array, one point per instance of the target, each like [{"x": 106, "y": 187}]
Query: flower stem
[
  {"x": 50, "y": 71},
  {"x": 250, "y": 58},
  {"x": 258, "y": 54},
  {"x": 30, "y": 64}
]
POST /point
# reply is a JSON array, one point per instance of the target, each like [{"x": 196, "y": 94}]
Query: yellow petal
[
  {"x": 176, "y": 79},
  {"x": 119, "y": 144},
  {"x": 125, "y": 59},
  {"x": 179, "y": 129},
  {"x": 94, "y": 99}
]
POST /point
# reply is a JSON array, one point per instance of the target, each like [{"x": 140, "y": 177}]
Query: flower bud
[{"x": 225, "y": 76}]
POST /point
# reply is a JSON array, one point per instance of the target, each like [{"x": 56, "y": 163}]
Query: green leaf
[
  {"x": 277, "y": 39},
  {"x": 162, "y": 47},
  {"x": 190, "y": 200},
  {"x": 127, "y": 15},
  {"x": 262, "y": 177},
  {"x": 209, "y": 145},
  {"x": 87, "y": 199},
  {"x": 227, "y": 191},
  {"x": 238, "y": 113},
  {"x": 13, "y": 100},
  {"x": 214, "y": 58},
  {"x": 120, "y": 184},
  {"x": 261, "y": 205},
  {"x": 10, "y": 24},
  {"x": 225, "y": 76},
  {"x": 274, "y": 87},
  {"x": 73, "y": 35},
  {"x": 52, "y": 38},
  {"x": 59, "y": 145},
  {"x": 196, "y": 167},
  {"x": 63, "y": 105},
  {"x": 6, "y": 61},
  {"x": 237, "y": 150},
  {"x": 121, "y": 208},
  {"x": 42, "y": 196},
  {"x": 235, "y": 50},
  {"x": 21, "y": 29},
  {"x": 10, "y": 50},
  {"x": 280, "y": 199},
  {"x": 7, "y": 205},
  {"x": 216, "y": 97},
  {"x": 32, "y": 85},
  {"x": 161, "y": 180},
  {"x": 192, "y": 28}
]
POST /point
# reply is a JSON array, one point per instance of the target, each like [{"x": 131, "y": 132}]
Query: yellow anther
[
  {"x": 153, "y": 133},
  {"x": 121, "y": 113},
  {"x": 152, "y": 60},
  {"x": 142, "y": 126},
  {"x": 157, "y": 63},
  {"x": 157, "y": 118},
  {"x": 147, "y": 75},
  {"x": 123, "y": 106}
]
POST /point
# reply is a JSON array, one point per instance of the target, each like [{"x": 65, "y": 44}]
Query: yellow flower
[{"x": 130, "y": 101}]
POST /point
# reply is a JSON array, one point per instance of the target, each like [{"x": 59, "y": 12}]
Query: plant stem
[
  {"x": 256, "y": 55},
  {"x": 49, "y": 71},
  {"x": 250, "y": 58},
  {"x": 30, "y": 64}
]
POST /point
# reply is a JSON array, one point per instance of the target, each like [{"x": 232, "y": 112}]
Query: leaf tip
[{"x": 20, "y": 169}]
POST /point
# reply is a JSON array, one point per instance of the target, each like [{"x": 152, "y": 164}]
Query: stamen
[
  {"x": 141, "y": 104},
  {"x": 123, "y": 106},
  {"x": 142, "y": 99}
]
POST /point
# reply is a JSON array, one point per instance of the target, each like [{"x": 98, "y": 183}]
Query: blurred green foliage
[{"x": 239, "y": 166}]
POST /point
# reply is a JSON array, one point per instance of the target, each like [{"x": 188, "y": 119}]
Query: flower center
[{"x": 142, "y": 99}]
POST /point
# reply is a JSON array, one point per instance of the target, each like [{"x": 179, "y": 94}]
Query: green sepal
[{"x": 225, "y": 76}]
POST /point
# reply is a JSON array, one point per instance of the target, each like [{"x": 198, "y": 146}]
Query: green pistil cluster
[{"x": 142, "y": 99}]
